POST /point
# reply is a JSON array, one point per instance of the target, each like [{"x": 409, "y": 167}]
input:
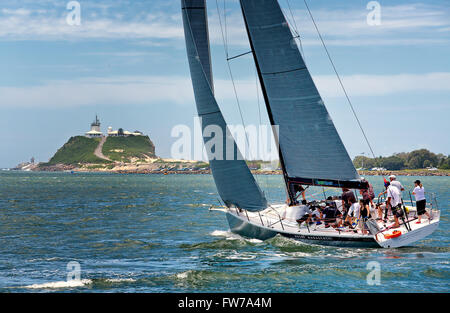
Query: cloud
[
  {"x": 147, "y": 90},
  {"x": 123, "y": 53},
  {"x": 353, "y": 22},
  {"x": 380, "y": 85},
  {"x": 411, "y": 24},
  {"x": 21, "y": 12},
  {"x": 91, "y": 91},
  {"x": 400, "y": 25},
  {"x": 21, "y": 24}
]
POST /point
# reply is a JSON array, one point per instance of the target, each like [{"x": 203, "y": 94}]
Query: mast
[{"x": 269, "y": 110}]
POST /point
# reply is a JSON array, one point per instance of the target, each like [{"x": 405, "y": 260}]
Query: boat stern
[{"x": 418, "y": 232}]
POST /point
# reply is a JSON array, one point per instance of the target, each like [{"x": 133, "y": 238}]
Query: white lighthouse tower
[{"x": 95, "y": 129}]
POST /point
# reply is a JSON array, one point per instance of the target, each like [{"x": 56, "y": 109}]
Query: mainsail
[
  {"x": 235, "y": 183},
  {"x": 310, "y": 147}
]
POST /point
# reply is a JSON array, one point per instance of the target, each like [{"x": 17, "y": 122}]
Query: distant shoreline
[
  {"x": 418, "y": 172},
  {"x": 187, "y": 171}
]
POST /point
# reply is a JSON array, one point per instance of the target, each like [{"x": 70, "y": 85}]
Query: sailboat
[{"x": 311, "y": 152}]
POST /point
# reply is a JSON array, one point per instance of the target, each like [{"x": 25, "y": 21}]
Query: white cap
[
  {"x": 392, "y": 177},
  {"x": 362, "y": 178}
]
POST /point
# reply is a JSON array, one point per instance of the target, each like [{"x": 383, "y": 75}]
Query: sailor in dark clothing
[
  {"x": 368, "y": 194},
  {"x": 330, "y": 214},
  {"x": 296, "y": 190},
  {"x": 364, "y": 215},
  {"x": 348, "y": 199}
]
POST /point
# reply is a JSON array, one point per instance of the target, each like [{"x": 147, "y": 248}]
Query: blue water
[{"x": 154, "y": 233}]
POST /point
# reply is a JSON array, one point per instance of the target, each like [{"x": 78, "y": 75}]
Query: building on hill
[
  {"x": 123, "y": 133},
  {"x": 95, "y": 129}
]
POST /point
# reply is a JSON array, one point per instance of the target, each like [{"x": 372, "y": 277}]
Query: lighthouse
[{"x": 95, "y": 129}]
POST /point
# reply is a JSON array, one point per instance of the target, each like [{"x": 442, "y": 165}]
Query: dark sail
[
  {"x": 310, "y": 147},
  {"x": 235, "y": 183}
]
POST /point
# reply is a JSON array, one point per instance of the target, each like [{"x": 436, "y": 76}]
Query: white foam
[
  {"x": 61, "y": 284},
  {"x": 183, "y": 275},
  {"x": 232, "y": 236},
  {"x": 44, "y": 259},
  {"x": 227, "y": 234},
  {"x": 254, "y": 240},
  {"x": 221, "y": 233},
  {"x": 241, "y": 256},
  {"x": 119, "y": 280}
]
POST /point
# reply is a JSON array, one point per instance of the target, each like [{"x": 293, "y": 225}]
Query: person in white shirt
[
  {"x": 354, "y": 209},
  {"x": 396, "y": 183},
  {"x": 394, "y": 201},
  {"x": 353, "y": 214},
  {"x": 297, "y": 213},
  {"x": 419, "y": 193}
]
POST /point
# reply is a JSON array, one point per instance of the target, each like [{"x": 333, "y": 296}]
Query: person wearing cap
[
  {"x": 394, "y": 201},
  {"x": 395, "y": 183},
  {"x": 419, "y": 193}
]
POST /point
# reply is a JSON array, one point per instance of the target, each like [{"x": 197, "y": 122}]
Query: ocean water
[{"x": 154, "y": 233}]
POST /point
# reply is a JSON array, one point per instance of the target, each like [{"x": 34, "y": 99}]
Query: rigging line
[
  {"x": 225, "y": 47},
  {"x": 239, "y": 55},
  {"x": 288, "y": 20},
  {"x": 297, "y": 33},
  {"x": 232, "y": 79},
  {"x": 340, "y": 81},
  {"x": 225, "y": 23},
  {"x": 293, "y": 19}
]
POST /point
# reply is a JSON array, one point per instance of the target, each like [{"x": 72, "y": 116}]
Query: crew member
[
  {"x": 348, "y": 199},
  {"x": 419, "y": 193},
  {"x": 394, "y": 201},
  {"x": 296, "y": 190}
]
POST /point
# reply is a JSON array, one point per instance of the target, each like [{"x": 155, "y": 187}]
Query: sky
[{"x": 126, "y": 62}]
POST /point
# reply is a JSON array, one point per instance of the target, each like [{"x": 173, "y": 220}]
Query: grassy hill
[
  {"x": 77, "y": 150},
  {"x": 80, "y": 150},
  {"x": 124, "y": 148}
]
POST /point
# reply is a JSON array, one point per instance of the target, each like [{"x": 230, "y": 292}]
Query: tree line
[{"x": 416, "y": 159}]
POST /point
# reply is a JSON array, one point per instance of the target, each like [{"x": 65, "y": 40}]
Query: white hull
[
  {"x": 269, "y": 223},
  {"x": 418, "y": 232}
]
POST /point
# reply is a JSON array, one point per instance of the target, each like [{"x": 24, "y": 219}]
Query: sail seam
[{"x": 287, "y": 71}]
